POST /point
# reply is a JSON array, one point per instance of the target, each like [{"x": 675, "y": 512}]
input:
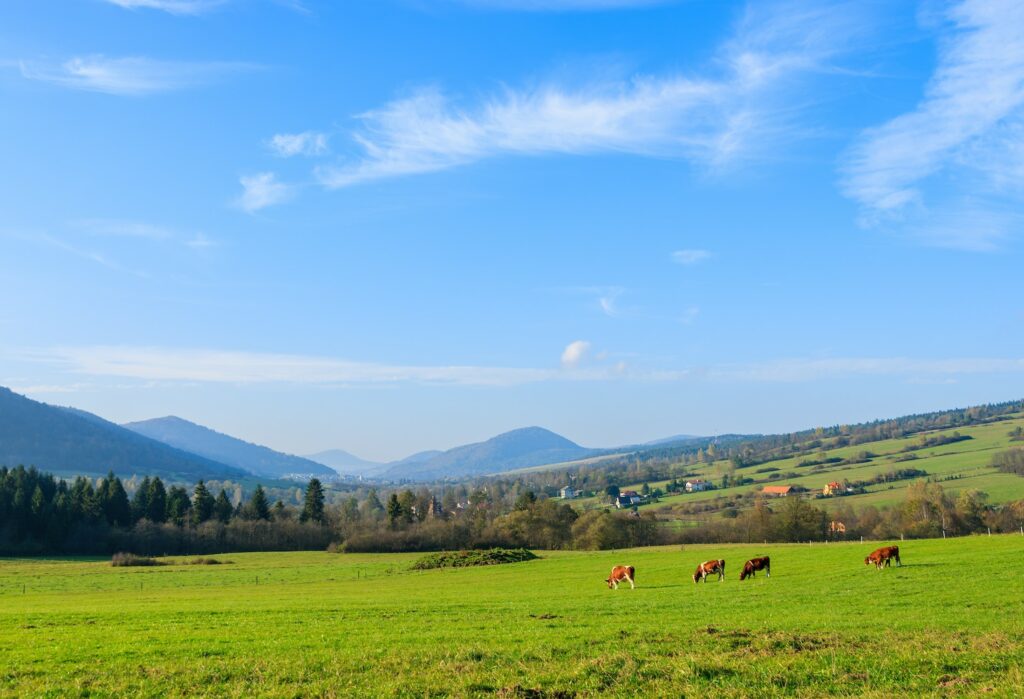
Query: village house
[
  {"x": 628, "y": 498},
  {"x": 696, "y": 486},
  {"x": 568, "y": 493},
  {"x": 834, "y": 488},
  {"x": 778, "y": 491}
]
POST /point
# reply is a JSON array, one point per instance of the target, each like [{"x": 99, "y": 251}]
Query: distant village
[{"x": 626, "y": 499}]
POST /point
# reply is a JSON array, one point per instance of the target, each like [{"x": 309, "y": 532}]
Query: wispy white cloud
[
  {"x": 796, "y": 370},
  {"x": 973, "y": 106},
  {"x": 143, "y": 231},
  {"x": 262, "y": 190},
  {"x": 174, "y": 7},
  {"x": 689, "y": 315},
  {"x": 690, "y": 257},
  {"x": 563, "y": 5},
  {"x": 309, "y": 143},
  {"x": 574, "y": 353},
  {"x": 133, "y": 76},
  {"x": 727, "y": 111},
  {"x": 218, "y": 366}
]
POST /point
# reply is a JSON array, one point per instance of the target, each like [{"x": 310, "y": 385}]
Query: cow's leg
[
  {"x": 899, "y": 563},
  {"x": 631, "y": 585},
  {"x": 615, "y": 584}
]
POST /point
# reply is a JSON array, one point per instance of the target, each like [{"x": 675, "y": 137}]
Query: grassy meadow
[{"x": 949, "y": 622}]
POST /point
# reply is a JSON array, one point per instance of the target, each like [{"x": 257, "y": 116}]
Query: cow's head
[
  {"x": 609, "y": 581},
  {"x": 867, "y": 560},
  {"x": 696, "y": 575},
  {"x": 745, "y": 572}
]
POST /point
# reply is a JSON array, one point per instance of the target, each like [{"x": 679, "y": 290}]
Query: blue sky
[{"x": 394, "y": 225}]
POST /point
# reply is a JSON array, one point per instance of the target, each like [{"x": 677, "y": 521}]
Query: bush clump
[
  {"x": 124, "y": 560},
  {"x": 465, "y": 559},
  {"x": 206, "y": 561}
]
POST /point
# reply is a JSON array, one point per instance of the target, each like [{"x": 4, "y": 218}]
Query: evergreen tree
[
  {"x": 394, "y": 511},
  {"x": 140, "y": 503},
  {"x": 222, "y": 508},
  {"x": 313, "y": 510},
  {"x": 202, "y": 504},
  {"x": 407, "y": 501},
  {"x": 116, "y": 507},
  {"x": 156, "y": 502},
  {"x": 178, "y": 505},
  {"x": 259, "y": 507},
  {"x": 280, "y": 514}
]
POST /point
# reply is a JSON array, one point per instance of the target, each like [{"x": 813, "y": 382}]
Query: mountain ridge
[{"x": 209, "y": 443}]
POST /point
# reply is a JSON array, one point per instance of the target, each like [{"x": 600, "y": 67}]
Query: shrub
[
  {"x": 465, "y": 559},
  {"x": 124, "y": 560},
  {"x": 205, "y": 561}
]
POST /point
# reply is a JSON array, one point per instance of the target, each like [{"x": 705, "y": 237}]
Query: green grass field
[{"x": 949, "y": 622}]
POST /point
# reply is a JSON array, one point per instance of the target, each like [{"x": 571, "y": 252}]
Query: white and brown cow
[
  {"x": 620, "y": 573},
  {"x": 710, "y": 568}
]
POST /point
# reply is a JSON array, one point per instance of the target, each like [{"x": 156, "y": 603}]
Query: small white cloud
[
  {"x": 690, "y": 257},
  {"x": 574, "y": 353},
  {"x": 563, "y": 5},
  {"x": 133, "y": 75},
  {"x": 309, "y": 143},
  {"x": 200, "y": 242},
  {"x": 174, "y": 7},
  {"x": 262, "y": 190}
]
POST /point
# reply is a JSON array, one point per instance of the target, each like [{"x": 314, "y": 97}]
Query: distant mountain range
[
  {"x": 529, "y": 446},
  {"x": 346, "y": 463},
  {"x": 256, "y": 459},
  {"x": 72, "y": 441},
  {"x": 69, "y": 441}
]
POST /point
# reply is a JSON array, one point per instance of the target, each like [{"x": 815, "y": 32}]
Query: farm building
[
  {"x": 628, "y": 498},
  {"x": 779, "y": 491},
  {"x": 568, "y": 493},
  {"x": 834, "y": 488},
  {"x": 696, "y": 486}
]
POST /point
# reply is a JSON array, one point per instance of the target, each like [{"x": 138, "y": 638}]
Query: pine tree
[
  {"x": 313, "y": 510},
  {"x": 202, "y": 504},
  {"x": 178, "y": 505},
  {"x": 394, "y": 510},
  {"x": 259, "y": 508},
  {"x": 116, "y": 507},
  {"x": 156, "y": 502},
  {"x": 140, "y": 503},
  {"x": 280, "y": 514},
  {"x": 222, "y": 508}
]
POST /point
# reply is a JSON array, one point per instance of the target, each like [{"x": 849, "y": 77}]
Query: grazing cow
[
  {"x": 710, "y": 568},
  {"x": 755, "y": 564},
  {"x": 883, "y": 557},
  {"x": 620, "y": 573}
]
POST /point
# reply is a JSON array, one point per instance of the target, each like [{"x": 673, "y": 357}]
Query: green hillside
[
  {"x": 949, "y": 622},
  {"x": 960, "y": 465}
]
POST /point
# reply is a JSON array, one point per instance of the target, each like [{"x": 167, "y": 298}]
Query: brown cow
[
  {"x": 709, "y": 568},
  {"x": 883, "y": 557},
  {"x": 754, "y": 564},
  {"x": 620, "y": 573}
]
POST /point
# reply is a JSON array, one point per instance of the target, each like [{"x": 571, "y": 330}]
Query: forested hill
[
  {"x": 70, "y": 441},
  {"x": 259, "y": 460}
]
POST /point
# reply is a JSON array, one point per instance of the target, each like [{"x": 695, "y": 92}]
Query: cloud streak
[
  {"x": 712, "y": 119},
  {"x": 221, "y": 366},
  {"x": 967, "y": 126},
  {"x": 129, "y": 76},
  {"x": 562, "y": 5},
  {"x": 174, "y": 7}
]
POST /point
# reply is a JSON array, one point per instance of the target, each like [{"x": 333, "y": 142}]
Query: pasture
[{"x": 949, "y": 622}]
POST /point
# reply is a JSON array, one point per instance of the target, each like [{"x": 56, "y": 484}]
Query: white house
[
  {"x": 568, "y": 493},
  {"x": 696, "y": 486}
]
